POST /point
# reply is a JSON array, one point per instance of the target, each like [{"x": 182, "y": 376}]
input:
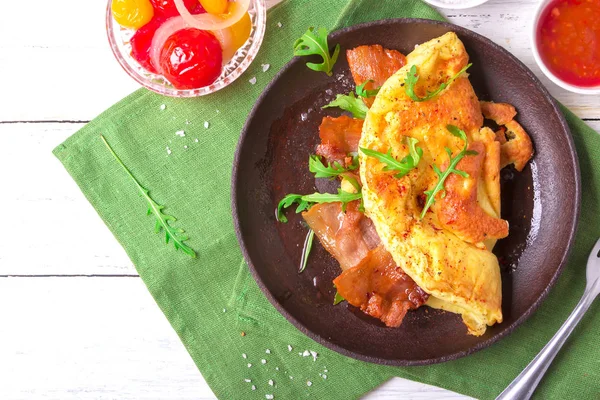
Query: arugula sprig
[
  {"x": 308, "y": 200},
  {"x": 439, "y": 187},
  {"x": 315, "y": 43},
  {"x": 412, "y": 78},
  {"x": 405, "y": 165},
  {"x": 163, "y": 221},
  {"x": 360, "y": 90},
  {"x": 349, "y": 102},
  {"x": 338, "y": 298},
  {"x": 332, "y": 170}
]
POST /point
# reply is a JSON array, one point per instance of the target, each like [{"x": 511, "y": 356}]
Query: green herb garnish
[
  {"x": 332, "y": 170},
  {"x": 315, "y": 43},
  {"x": 439, "y": 187},
  {"x": 338, "y": 298},
  {"x": 360, "y": 90},
  {"x": 412, "y": 78},
  {"x": 306, "y": 201},
  {"x": 306, "y": 249},
  {"x": 350, "y": 102},
  {"x": 405, "y": 165},
  {"x": 177, "y": 235}
]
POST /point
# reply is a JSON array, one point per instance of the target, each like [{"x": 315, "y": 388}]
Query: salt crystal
[
  {"x": 271, "y": 382},
  {"x": 253, "y": 387},
  {"x": 224, "y": 310},
  {"x": 206, "y": 124},
  {"x": 268, "y": 396},
  {"x": 253, "y": 80},
  {"x": 291, "y": 377},
  {"x": 314, "y": 354},
  {"x": 324, "y": 376},
  {"x": 308, "y": 383},
  {"x": 162, "y": 107},
  {"x": 329, "y": 92},
  {"x": 248, "y": 380},
  {"x": 325, "y": 371},
  {"x": 180, "y": 133},
  {"x": 244, "y": 355},
  {"x": 168, "y": 151},
  {"x": 263, "y": 361},
  {"x": 268, "y": 351},
  {"x": 185, "y": 147},
  {"x": 304, "y": 116},
  {"x": 276, "y": 368},
  {"x": 290, "y": 347},
  {"x": 187, "y": 122},
  {"x": 265, "y": 67},
  {"x": 249, "y": 365},
  {"x": 196, "y": 140},
  {"x": 217, "y": 111},
  {"x": 306, "y": 353},
  {"x": 299, "y": 353},
  {"x": 279, "y": 24}
]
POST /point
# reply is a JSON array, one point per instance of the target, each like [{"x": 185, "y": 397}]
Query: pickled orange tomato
[
  {"x": 240, "y": 31},
  {"x": 215, "y": 6},
  {"x": 132, "y": 13}
]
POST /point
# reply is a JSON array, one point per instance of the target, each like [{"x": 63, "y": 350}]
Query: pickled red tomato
[
  {"x": 141, "y": 42},
  {"x": 191, "y": 58},
  {"x": 132, "y": 13},
  {"x": 166, "y": 8}
]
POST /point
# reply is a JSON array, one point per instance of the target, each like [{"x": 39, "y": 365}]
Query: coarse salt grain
[
  {"x": 269, "y": 396},
  {"x": 196, "y": 140},
  {"x": 279, "y": 24},
  {"x": 180, "y": 133},
  {"x": 306, "y": 353},
  {"x": 224, "y": 310},
  {"x": 249, "y": 365},
  {"x": 314, "y": 354},
  {"x": 271, "y": 382},
  {"x": 253, "y": 387},
  {"x": 290, "y": 347},
  {"x": 265, "y": 67},
  {"x": 206, "y": 124},
  {"x": 291, "y": 377},
  {"x": 268, "y": 351},
  {"x": 276, "y": 368},
  {"x": 324, "y": 376},
  {"x": 244, "y": 355},
  {"x": 248, "y": 380},
  {"x": 185, "y": 147},
  {"x": 187, "y": 122},
  {"x": 263, "y": 361},
  {"x": 253, "y": 80},
  {"x": 168, "y": 151},
  {"x": 162, "y": 107},
  {"x": 308, "y": 383},
  {"x": 303, "y": 116}
]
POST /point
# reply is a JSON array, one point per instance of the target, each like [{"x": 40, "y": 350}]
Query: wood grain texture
[{"x": 100, "y": 335}]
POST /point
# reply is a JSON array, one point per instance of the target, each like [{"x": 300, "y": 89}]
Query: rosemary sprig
[
  {"x": 439, "y": 187},
  {"x": 412, "y": 78},
  {"x": 306, "y": 249},
  {"x": 405, "y": 165},
  {"x": 177, "y": 235}
]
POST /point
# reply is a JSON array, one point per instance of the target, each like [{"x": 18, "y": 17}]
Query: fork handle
[{"x": 524, "y": 385}]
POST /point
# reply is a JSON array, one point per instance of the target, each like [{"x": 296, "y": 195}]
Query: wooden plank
[
  {"x": 105, "y": 338},
  {"x": 64, "y": 235},
  {"x": 75, "y": 76}
]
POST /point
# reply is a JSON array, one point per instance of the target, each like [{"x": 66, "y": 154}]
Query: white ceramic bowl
[
  {"x": 457, "y": 5},
  {"x": 536, "y": 54}
]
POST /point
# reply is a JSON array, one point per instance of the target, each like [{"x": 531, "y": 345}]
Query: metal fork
[{"x": 524, "y": 385}]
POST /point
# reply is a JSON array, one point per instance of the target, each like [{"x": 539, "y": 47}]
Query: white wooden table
[{"x": 76, "y": 322}]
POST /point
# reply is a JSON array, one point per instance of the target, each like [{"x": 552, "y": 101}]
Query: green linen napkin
[{"x": 210, "y": 300}]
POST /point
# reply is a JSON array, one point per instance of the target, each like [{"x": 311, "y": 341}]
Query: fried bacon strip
[
  {"x": 339, "y": 137},
  {"x": 516, "y": 146},
  {"x": 380, "y": 288},
  {"x": 373, "y": 63}
]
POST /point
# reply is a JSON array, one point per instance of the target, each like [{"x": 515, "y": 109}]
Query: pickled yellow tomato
[
  {"x": 132, "y": 13},
  {"x": 215, "y": 6}
]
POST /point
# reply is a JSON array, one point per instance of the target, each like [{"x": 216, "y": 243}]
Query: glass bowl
[{"x": 119, "y": 39}]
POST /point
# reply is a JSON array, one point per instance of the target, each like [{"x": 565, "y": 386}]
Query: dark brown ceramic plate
[{"x": 541, "y": 203}]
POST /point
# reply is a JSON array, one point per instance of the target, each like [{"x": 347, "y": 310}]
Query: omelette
[{"x": 424, "y": 236}]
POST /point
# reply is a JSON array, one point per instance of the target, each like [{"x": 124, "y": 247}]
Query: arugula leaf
[
  {"x": 332, "y": 170},
  {"x": 163, "y": 221},
  {"x": 315, "y": 43},
  {"x": 338, "y": 298},
  {"x": 412, "y": 78},
  {"x": 308, "y": 200},
  {"x": 439, "y": 187},
  {"x": 306, "y": 249},
  {"x": 351, "y": 103},
  {"x": 360, "y": 90},
  {"x": 404, "y": 166}
]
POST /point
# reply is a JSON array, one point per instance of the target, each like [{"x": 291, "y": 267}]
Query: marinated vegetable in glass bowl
[{"x": 185, "y": 48}]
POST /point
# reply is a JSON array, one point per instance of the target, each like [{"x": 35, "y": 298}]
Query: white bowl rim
[
  {"x": 538, "y": 59},
  {"x": 466, "y": 4}
]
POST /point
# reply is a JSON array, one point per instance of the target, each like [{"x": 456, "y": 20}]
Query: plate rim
[{"x": 573, "y": 158}]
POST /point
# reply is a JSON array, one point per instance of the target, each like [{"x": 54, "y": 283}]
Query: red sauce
[{"x": 569, "y": 40}]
